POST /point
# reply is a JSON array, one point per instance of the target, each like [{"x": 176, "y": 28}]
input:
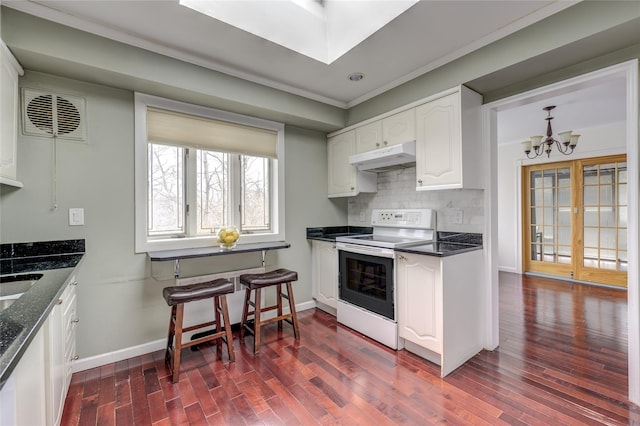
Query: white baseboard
[
  {"x": 305, "y": 305},
  {"x": 83, "y": 364},
  {"x": 511, "y": 269}
]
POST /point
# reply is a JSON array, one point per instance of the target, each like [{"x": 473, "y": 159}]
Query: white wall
[
  {"x": 595, "y": 141},
  {"x": 120, "y": 302},
  {"x": 457, "y": 210}
]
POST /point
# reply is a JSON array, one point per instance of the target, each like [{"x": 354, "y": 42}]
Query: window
[{"x": 198, "y": 169}]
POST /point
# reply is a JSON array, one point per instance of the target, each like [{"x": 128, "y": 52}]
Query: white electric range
[{"x": 366, "y": 300}]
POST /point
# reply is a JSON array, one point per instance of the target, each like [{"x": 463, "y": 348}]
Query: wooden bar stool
[
  {"x": 256, "y": 282},
  {"x": 176, "y": 297}
]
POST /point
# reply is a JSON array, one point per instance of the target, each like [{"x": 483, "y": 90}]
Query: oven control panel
[{"x": 404, "y": 218}]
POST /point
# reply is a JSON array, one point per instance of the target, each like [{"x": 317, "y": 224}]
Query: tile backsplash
[{"x": 458, "y": 210}]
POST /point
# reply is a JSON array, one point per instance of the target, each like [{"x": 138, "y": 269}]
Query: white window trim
[{"x": 142, "y": 243}]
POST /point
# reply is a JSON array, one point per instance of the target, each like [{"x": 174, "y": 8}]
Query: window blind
[{"x": 173, "y": 128}]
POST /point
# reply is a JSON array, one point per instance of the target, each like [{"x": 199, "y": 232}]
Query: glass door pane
[
  {"x": 605, "y": 216},
  {"x": 549, "y": 219}
]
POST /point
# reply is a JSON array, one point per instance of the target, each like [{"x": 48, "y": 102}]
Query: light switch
[{"x": 76, "y": 216}]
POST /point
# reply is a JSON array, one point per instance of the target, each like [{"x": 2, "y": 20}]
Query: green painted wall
[{"x": 119, "y": 301}]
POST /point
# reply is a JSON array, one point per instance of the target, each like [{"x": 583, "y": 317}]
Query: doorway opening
[{"x": 628, "y": 71}]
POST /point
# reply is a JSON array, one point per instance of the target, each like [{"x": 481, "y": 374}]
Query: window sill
[
  {"x": 166, "y": 255},
  {"x": 201, "y": 242}
]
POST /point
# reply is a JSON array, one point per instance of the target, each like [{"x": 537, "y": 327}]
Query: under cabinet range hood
[{"x": 385, "y": 158}]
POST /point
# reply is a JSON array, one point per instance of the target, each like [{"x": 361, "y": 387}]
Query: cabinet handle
[
  {"x": 385, "y": 143},
  {"x": 74, "y": 283},
  {"x": 59, "y": 302},
  {"x": 352, "y": 188},
  {"x": 377, "y": 144},
  {"x": 420, "y": 181},
  {"x": 77, "y": 320},
  {"x": 75, "y": 358},
  {"x": 401, "y": 257}
]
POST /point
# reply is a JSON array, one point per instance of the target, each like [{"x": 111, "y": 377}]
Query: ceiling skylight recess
[{"x": 323, "y": 30}]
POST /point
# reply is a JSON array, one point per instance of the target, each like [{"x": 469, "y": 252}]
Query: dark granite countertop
[
  {"x": 21, "y": 321},
  {"x": 447, "y": 244},
  {"x": 329, "y": 233},
  {"x": 165, "y": 255}
]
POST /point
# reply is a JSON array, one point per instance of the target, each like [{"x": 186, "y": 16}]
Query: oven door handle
[{"x": 370, "y": 250}]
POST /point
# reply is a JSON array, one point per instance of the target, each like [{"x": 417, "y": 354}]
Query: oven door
[{"x": 366, "y": 278}]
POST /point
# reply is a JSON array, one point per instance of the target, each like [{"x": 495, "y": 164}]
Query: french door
[{"x": 575, "y": 219}]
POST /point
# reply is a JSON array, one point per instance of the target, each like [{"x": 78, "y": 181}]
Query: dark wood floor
[{"x": 562, "y": 360}]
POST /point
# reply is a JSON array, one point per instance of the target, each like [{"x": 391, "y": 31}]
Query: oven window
[
  {"x": 367, "y": 281},
  {"x": 368, "y": 278}
]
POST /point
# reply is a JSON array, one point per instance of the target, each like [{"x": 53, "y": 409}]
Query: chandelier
[{"x": 565, "y": 143}]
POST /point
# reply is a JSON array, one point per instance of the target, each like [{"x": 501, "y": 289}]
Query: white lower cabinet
[
  {"x": 439, "y": 307},
  {"x": 324, "y": 272},
  {"x": 419, "y": 289},
  {"x": 35, "y": 392},
  {"x": 61, "y": 347},
  {"x": 56, "y": 374},
  {"x": 22, "y": 399}
]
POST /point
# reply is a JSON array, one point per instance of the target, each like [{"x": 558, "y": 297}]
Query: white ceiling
[
  {"x": 598, "y": 104},
  {"x": 429, "y": 34}
]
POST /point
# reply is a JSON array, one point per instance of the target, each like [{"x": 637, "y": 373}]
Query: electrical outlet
[{"x": 76, "y": 216}]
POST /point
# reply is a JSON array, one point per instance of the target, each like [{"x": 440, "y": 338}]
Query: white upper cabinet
[
  {"x": 369, "y": 137},
  {"x": 344, "y": 179},
  {"x": 448, "y": 136},
  {"x": 392, "y": 130},
  {"x": 10, "y": 70},
  {"x": 399, "y": 128},
  {"x": 448, "y": 142}
]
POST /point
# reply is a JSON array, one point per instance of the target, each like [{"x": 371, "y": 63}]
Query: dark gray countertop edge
[
  {"x": 329, "y": 233},
  {"x": 28, "y": 313},
  {"x": 166, "y": 255},
  {"x": 327, "y": 239},
  {"x": 418, "y": 250}
]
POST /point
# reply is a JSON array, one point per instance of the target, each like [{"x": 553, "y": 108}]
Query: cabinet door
[
  {"x": 56, "y": 366},
  {"x": 70, "y": 322},
  {"x": 9, "y": 107},
  {"x": 438, "y": 144},
  {"x": 325, "y": 272},
  {"x": 30, "y": 391},
  {"x": 342, "y": 175},
  {"x": 419, "y": 287},
  {"x": 369, "y": 137},
  {"x": 399, "y": 128}
]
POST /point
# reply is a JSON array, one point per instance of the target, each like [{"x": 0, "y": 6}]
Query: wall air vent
[{"x": 47, "y": 114}]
